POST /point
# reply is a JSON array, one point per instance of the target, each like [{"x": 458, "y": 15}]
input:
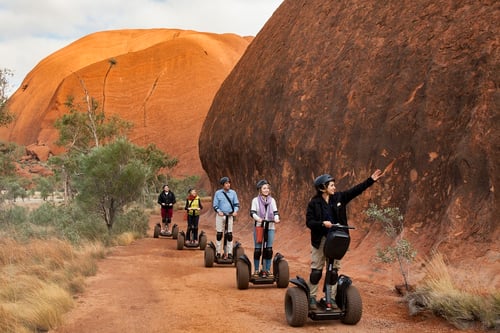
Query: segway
[
  {"x": 181, "y": 241},
  {"x": 244, "y": 266},
  {"x": 210, "y": 251},
  {"x": 347, "y": 299},
  {"x": 158, "y": 232}
]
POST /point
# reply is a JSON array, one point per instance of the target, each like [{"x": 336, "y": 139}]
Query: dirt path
[{"x": 150, "y": 286}]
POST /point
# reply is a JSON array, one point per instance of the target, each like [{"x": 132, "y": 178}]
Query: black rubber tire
[
  {"x": 202, "y": 241},
  {"x": 175, "y": 231},
  {"x": 242, "y": 275},
  {"x": 180, "y": 241},
  {"x": 296, "y": 306},
  {"x": 156, "y": 233},
  {"x": 354, "y": 306},
  {"x": 237, "y": 252},
  {"x": 209, "y": 256},
  {"x": 283, "y": 274}
]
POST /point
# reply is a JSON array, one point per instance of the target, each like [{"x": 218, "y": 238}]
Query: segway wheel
[
  {"x": 296, "y": 307},
  {"x": 242, "y": 274},
  {"x": 180, "y": 241},
  {"x": 238, "y": 252},
  {"x": 353, "y": 307},
  {"x": 202, "y": 241},
  {"x": 209, "y": 256},
  {"x": 283, "y": 274},
  {"x": 156, "y": 232},
  {"x": 175, "y": 231}
]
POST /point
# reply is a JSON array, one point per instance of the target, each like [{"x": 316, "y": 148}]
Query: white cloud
[{"x": 32, "y": 30}]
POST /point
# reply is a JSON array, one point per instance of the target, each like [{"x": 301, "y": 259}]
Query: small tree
[
  {"x": 5, "y": 116},
  {"x": 8, "y": 156},
  {"x": 79, "y": 132},
  {"x": 14, "y": 191},
  {"x": 402, "y": 250},
  {"x": 45, "y": 186},
  {"x": 112, "y": 177}
]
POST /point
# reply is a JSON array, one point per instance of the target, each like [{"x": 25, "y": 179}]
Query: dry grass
[
  {"x": 125, "y": 238},
  {"x": 464, "y": 306},
  {"x": 38, "y": 279}
]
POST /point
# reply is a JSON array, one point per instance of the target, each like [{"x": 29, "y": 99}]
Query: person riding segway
[
  {"x": 166, "y": 200},
  {"x": 226, "y": 205},
  {"x": 264, "y": 212},
  {"x": 326, "y": 217},
  {"x": 190, "y": 238}
]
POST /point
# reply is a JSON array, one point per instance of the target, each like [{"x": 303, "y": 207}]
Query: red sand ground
[{"x": 150, "y": 286}]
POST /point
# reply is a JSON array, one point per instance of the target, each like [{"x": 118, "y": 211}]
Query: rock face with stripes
[
  {"x": 346, "y": 87},
  {"x": 161, "y": 80}
]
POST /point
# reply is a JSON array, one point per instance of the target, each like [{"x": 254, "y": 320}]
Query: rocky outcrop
[
  {"x": 163, "y": 81},
  {"x": 345, "y": 87}
]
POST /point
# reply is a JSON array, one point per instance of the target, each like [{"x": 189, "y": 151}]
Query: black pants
[{"x": 192, "y": 228}]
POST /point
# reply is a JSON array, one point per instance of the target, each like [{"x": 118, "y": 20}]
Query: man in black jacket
[{"x": 326, "y": 208}]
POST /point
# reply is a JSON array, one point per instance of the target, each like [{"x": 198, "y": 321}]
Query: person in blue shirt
[{"x": 226, "y": 205}]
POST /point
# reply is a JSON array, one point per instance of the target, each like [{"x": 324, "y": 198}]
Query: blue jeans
[{"x": 270, "y": 240}]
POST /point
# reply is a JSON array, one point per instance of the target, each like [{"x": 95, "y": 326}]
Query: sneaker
[
  {"x": 329, "y": 306},
  {"x": 256, "y": 273},
  {"x": 230, "y": 256},
  {"x": 269, "y": 274},
  {"x": 263, "y": 274},
  {"x": 312, "y": 304},
  {"x": 218, "y": 256}
]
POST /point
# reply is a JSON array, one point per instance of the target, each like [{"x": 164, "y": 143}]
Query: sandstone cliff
[
  {"x": 163, "y": 82},
  {"x": 345, "y": 87}
]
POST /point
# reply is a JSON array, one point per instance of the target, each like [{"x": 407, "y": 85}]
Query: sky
[{"x": 31, "y": 30}]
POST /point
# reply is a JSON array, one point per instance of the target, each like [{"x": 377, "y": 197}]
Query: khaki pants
[
  {"x": 318, "y": 262},
  {"x": 220, "y": 222}
]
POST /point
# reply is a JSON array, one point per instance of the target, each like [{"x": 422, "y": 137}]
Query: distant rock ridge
[{"x": 163, "y": 82}]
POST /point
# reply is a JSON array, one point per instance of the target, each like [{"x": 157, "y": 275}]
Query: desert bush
[
  {"x": 402, "y": 250},
  {"x": 134, "y": 220},
  {"x": 463, "y": 307},
  {"x": 13, "y": 215}
]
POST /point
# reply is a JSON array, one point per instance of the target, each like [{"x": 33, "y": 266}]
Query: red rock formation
[
  {"x": 345, "y": 87},
  {"x": 39, "y": 152},
  {"x": 163, "y": 82}
]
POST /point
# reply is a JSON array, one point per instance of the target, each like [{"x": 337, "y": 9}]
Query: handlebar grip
[{"x": 341, "y": 226}]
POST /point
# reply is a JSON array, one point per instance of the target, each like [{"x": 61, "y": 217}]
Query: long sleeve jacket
[
  {"x": 337, "y": 204},
  {"x": 166, "y": 199}
]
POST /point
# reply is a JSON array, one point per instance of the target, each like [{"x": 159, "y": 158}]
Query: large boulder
[
  {"x": 163, "y": 81},
  {"x": 346, "y": 87}
]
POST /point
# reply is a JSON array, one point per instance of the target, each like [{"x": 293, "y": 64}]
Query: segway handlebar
[{"x": 341, "y": 226}]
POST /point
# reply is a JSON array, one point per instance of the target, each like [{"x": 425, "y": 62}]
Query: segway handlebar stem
[{"x": 341, "y": 226}]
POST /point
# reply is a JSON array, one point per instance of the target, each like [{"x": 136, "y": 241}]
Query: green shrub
[
  {"x": 402, "y": 250},
  {"x": 134, "y": 220}
]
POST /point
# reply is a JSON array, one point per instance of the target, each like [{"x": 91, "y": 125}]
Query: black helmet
[
  {"x": 321, "y": 181},
  {"x": 261, "y": 183},
  {"x": 224, "y": 180}
]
